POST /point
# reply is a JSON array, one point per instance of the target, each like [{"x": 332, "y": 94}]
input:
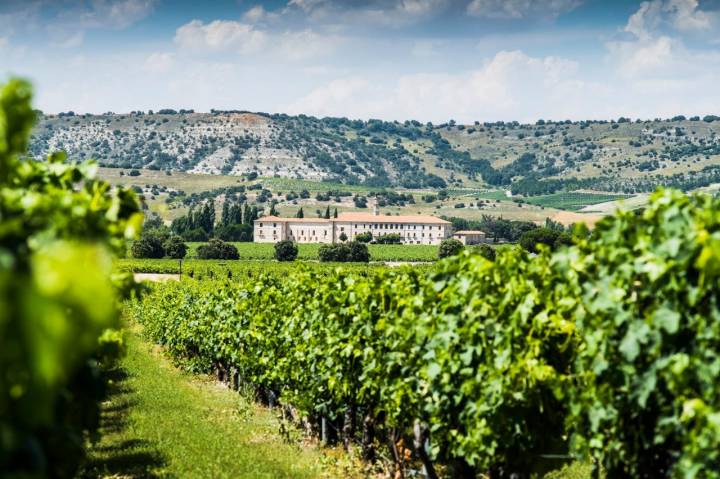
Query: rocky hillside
[{"x": 618, "y": 156}]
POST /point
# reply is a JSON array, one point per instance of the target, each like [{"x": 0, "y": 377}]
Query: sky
[{"x": 425, "y": 60}]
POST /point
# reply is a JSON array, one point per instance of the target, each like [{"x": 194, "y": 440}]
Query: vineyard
[
  {"x": 309, "y": 251},
  {"x": 607, "y": 352},
  {"x": 223, "y": 269}
]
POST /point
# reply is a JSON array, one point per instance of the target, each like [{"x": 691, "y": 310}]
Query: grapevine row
[{"x": 608, "y": 350}]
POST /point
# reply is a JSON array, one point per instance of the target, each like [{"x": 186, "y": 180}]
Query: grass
[{"x": 161, "y": 422}]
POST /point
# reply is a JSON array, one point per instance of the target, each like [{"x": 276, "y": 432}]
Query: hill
[{"x": 620, "y": 156}]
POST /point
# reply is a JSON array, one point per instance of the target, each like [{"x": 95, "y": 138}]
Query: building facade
[
  {"x": 412, "y": 229},
  {"x": 467, "y": 237}
]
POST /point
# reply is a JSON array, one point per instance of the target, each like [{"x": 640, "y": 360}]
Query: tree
[
  {"x": 300, "y": 213},
  {"x": 335, "y": 214},
  {"x": 217, "y": 249},
  {"x": 175, "y": 247},
  {"x": 206, "y": 217},
  {"x": 225, "y": 215},
  {"x": 552, "y": 238},
  {"x": 148, "y": 246},
  {"x": 327, "y": 212},
  {"x": 364, "y": 237},
  {"x": 343, "y": 237},
  {"x": 197, "y": 234},
  {"x": 392, "y": 238},
  {"x": 359, "y": 252},
  {"x": 449, "y": 247},
  {"x": 286, "y": 250},
  {"x": 235, "y": 232},
  {"x": 273, "y": 211},
  {"x": 344, "y": 252}
]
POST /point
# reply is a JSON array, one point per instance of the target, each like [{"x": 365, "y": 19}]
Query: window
[
  {"x": 274, "y": 225},
  {"x": 260, "y": 225}
]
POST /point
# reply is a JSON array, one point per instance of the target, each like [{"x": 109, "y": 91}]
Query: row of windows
[{"x": 382, "y": 226}]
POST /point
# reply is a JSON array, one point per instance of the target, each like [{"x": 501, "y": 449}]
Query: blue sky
[{"x": 430, "y": 60}]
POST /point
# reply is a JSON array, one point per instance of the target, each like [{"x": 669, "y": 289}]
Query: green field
[
  {"x": 309, "y": 251},
  {"x": 219, "y": 269},
  {"x": 571, "y": 201}
]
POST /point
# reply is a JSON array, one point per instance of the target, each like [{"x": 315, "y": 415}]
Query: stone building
[
  {"x": 413, "y": 229},
  {"x": 468, "y": 237}
]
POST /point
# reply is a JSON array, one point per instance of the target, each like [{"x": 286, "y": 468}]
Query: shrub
[
  {"x": 217, "y": 249},
  {"x": 449, "y": 247},
  {"x": 359, "y": 252},
  {"x": 334, "y": 252},
  {"x": 343, "y": 237},
  {"x": 175, "y": 247},
  {"x": 392, "y": 238},
  {"x": 286, "y": 250},
  {"x": 364, "y": 237},
  {"x": 344, "y": 252},
  {"x": 148, "y": 246}
]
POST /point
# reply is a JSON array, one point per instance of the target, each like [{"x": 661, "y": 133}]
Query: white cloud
[
  {"x": 305, "y": 44},
  {"x": 159, "y": 62},
  {"x": 3, "y": 42},
  {"x": 117, "y": 14},
  {"x": 70, "y": 40},
  {"x": 255, "y": 14},
  {"x": 325, "y": 100},
  {"x": 680, "y": 15},
  {"x": 66, "y": 22},
  {"x": 222, "y": 35},
  {"x": 219, "y": 35},
  {"x": 509, "y": 86},
  {"x": 654, "y": 53},
  {"x": 513, "y": 9},
  {"x": 370, "y": 12}
]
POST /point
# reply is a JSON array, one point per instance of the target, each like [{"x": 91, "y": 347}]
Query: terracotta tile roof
[
  {"x": 363, "y": 218},
  {"x": 371, "y": 218},
  {"x": 270, "y": 219},
  {"x": 470, "y": 232}
]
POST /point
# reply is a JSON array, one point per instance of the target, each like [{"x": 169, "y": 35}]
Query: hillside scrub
[{"x": 486, "y": 367}]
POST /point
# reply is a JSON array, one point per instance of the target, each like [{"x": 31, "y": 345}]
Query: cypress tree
[
  {"x": 335, "y": 214},
  {"x": 235, "y": 214},
  {"x": 247, "y": 213},
  {"x": 300, "y": 213},
  {"x": 327, "y": 212},
  {"x": 225, "y": 215}
]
